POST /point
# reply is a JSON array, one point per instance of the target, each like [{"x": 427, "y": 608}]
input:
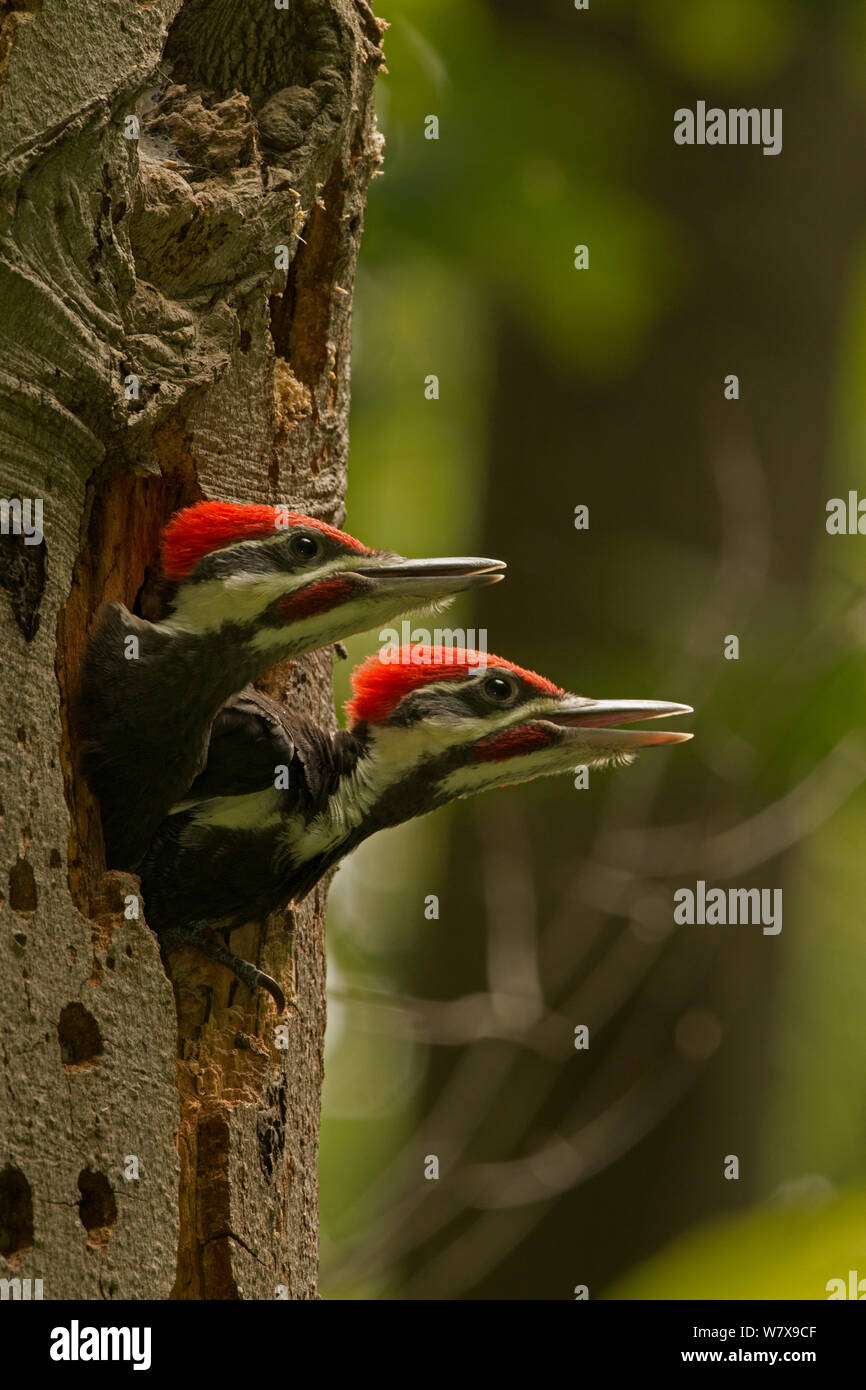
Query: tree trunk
[{"x": 158, "y": 347}]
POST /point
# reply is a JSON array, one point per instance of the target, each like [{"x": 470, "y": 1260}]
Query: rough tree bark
[{"x": 152, "y": 353}]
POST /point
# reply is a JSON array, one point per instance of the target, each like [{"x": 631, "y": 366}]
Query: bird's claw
[{"x": 200, "y": 939}]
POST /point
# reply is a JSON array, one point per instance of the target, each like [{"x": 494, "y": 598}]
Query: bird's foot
[{"x": 199, "y": 937}]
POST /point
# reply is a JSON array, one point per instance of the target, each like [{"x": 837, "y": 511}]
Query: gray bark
[{"x": 155, "y": 258}]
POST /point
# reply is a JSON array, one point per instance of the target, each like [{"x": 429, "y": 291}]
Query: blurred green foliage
[
  {"x": 740, "y": 40},
  {"x": 788, "y": 1251},
  {"x": 540, "y": 151},
  {"x": 530, "y": 162}
]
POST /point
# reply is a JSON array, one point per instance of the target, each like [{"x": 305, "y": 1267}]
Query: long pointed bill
[
  {"x": 592, "y": 722},
  {"x": 431, "y": 579}
]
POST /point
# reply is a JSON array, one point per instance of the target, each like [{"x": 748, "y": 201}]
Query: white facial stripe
[
  {"x": 347, "y": 618},
  {"x": 397, "y": 751},
  {"x": 444, "y": 731},
  {"x": 345, "y": 810},
  {"x": 241, "y": 598},
  {"x": 560, "y": 757},
  {"x": 364, "y": 611}
]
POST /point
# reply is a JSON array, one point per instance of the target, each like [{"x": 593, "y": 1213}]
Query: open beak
[
  {"x": 593, "y": 722},
  {"x": 431, "y": 579}
]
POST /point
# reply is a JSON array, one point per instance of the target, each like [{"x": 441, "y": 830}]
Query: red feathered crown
[
  {"x": 379, "y": 685},
  {"x": 196, "y": 531}
]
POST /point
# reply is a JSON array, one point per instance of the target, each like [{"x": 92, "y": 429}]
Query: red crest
[
  {"x": 378, "y": 686},
  {"x": 208, "y": 526}
]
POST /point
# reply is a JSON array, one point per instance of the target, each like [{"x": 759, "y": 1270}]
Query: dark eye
[
  {"x": 303, "y": 547},
  {"x": 498, "y": 689}
]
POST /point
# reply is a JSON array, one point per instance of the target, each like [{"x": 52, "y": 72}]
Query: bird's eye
[
  {"x": 304, "y": 547},
  {"x": 498, "y": 689}
]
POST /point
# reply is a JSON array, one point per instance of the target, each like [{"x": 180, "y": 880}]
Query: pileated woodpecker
[
  {"x": 250, "y": 586},
  {"x": 425, "y": 730}
]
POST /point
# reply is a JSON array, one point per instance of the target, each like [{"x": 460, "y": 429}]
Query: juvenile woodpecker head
[
  {"x": 251, "y": 586},
  {"x": 426, "y": 729},
  {"x": 293, "y": 582},
  {"x": 443, "y": 724}
]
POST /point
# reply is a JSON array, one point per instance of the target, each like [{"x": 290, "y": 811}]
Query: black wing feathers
[{"x": 250, "y": 739}]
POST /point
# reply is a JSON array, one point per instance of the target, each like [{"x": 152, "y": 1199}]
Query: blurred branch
[
  {"x": 502, "y": 1027},
  {"x": 762, "y": 837}
]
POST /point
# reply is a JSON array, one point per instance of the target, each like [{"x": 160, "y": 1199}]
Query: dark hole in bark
[
  {"x": 22, "y": 576},
  {"x": 97, "y": 1207},
  {"x": 16, "y": 1212},
  {"x": 22, "y": 888},
  {"x": 80, "y": 1038},
  {"x": 265, "y": 43},
  {"x": 300, "y": 317}
]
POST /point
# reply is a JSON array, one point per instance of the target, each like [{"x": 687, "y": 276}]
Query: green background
[{"x": 604, "y": 387}]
